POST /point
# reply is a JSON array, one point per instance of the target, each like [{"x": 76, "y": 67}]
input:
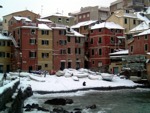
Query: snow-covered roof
[
  {"x": 122, "y": 52},
  {"x": 43, "y": 27},
  {"x": 61, "y": 15},
  {"x": 77, "y": 34},
  {"x": 44, "y": 20},
  {"x": 141, "y": 27},
  {"x": 141, "y": 17},
  {"x": 108, "y": 25},
  {"x": 144, "y": 33},
  {"x": 2, "y": 37},
  {"x": 22, "y": 18},
  {"x": 85, "y": 23}
]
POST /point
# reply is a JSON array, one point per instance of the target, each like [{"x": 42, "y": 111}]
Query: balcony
[{"x": 135, "y": 4}]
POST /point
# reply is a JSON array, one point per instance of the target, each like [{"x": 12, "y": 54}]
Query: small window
[
  {"x": 100, "y": 30},
  {"x": 99, "y": 40},
  {"x": 67, "y": 20},
  {"x": 146, "y": 47},
  {"x": 125, "y": 21},
  {"x": 32, "y": 41},
  {"x": 59, "y": 19},
  {"x": 146, "y": 37},
  {"x": 46, "y": 65},
  {"x": 68, "y": 38},
  {"x": 92, "y": 51},
  {"x": 44, "y": 42},
  {"x": 91, "y": 41},
  {"x": 100, "y": 51},
  {"x": 32, "y": 54},
  {"x": 91, "y": 31},
  {"x": 131, "y": 48},
  {"x": 134, "y": 22},
  {"x": 69, "y": 50},
  {"x": 33, "y": 31}
]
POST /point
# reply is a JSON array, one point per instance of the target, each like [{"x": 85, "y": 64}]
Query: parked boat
[
  {"x": 75, "y": 78},
  {"x": 60, "y": 73},
  {"x": 80, "y": 74},
  {"x": 106, "y": 76},
  {"x": 93, "y": 77}
]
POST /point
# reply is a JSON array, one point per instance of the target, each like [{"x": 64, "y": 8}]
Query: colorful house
[
  {"x": 68, "y": 48},
  {"x": 104, "y": 38}
]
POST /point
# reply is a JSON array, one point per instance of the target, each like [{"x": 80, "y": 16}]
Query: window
[
  {"x": 99, "y": 64},
  {"x": 146, "y": 37},
  {"x": 134, "y": 22},
  {"x": 33, "y": 31},
  {"x": 99, "y": 40},
  {"x": 77, "y": 50},
  {"x": 62, "y": 32},
  {"x": 2, "y": 54},
  {"x": 100, "y": 51},
  {"x": 112, "y": 40},
  {"x": 8, "y": 55},
  {"x": 68, "y": 38},
  {"x": 146, "y": 47},
  {"x": 91, "y": 41},
  {"x": 44, "y": 32},
  {"x": 125, "y": 21},
  {"x": 45, "y": 55},
  {"x": 45, "y": 42},
  {"x": 69, "y": 50},
  {"x": 91, "y": 31},
  {"x": 59, "y": 20},
  {"x": 92, "y": 51},
  {"x": 93, "y": 62},
  {"x": 62, "y": 51},
  {"x": 32, "y": 54},
  {"x": 67, "y": 20},
  {"x": 131, "y": 48},
  {"x": 100, "y": 30},
  {"x": 62, "y": 42},
  {"x": 46, "y": 65},
  {"x": 2, "y": 43},
  {"x": 32, "y": 41},
  {"x": 80, "y": 17},
  {"x": 77, "y": 39},
  {"x": 5, "y": 21}
]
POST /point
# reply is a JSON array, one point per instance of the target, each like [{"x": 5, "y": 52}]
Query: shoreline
[{"x": 94, "y": 88}]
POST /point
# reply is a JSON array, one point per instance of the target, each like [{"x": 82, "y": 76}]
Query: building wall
[
  {"x": 138, "y": 45},
  {"x": 5, "y": 55},
  {"x": 63, "y": 20},
  {"x": 25, "y": 13},
  {"x": 72, "y": 57},
  {"x": 99, "y": 50},
  {"x": 46, "y": 62}
]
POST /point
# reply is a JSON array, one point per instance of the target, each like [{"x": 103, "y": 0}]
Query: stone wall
[{"x": 7, "y": 92}]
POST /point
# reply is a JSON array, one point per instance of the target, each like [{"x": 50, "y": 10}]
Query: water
[{"x": 116, "y": 101}]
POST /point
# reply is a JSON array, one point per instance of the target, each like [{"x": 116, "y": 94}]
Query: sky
[{"x": 47, "y": 7}]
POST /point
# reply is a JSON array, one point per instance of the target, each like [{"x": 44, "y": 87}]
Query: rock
[
  {"x": 42, "y": 109},
  {"x": 59, "y": 101},
  {"x": 91, "y": 106},
  {"x": 35, "y": 105}
]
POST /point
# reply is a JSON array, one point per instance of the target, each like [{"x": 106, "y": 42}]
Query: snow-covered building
[
  {"x": 68, "y": 48},
  {"x": 104, "y": 38}
]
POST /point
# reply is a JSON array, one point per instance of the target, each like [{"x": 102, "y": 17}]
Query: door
[
  {"x": 62, "y": 66},
  {"x": 30, "y": 69},
  {"x": 116, "y": 70}
]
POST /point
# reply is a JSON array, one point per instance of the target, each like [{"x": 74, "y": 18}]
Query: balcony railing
[{"x": 135, "y": 3}]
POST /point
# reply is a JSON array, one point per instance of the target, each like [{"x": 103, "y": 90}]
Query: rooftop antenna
[{"x": 41, "y": 9}]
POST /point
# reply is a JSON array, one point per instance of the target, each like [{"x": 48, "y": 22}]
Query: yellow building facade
[
  {"x": 5, "y": 53},
  {"x": 45, "y": 59}
]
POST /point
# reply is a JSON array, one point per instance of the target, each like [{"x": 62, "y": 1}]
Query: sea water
[{"x": 114, "y": 101}]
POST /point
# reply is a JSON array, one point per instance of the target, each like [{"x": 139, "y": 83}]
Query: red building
[
  {"x": 139, "y": 45},
  {"x": 24, "y": 33},
  {"x": 68, "y": 48},
  {"x": 104, "y": 38}
]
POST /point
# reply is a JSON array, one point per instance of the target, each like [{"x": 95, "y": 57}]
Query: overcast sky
[{"x": 47, "y": 7}]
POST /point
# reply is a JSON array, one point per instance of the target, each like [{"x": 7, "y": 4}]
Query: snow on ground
[{"x": 52, "y": 83}]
